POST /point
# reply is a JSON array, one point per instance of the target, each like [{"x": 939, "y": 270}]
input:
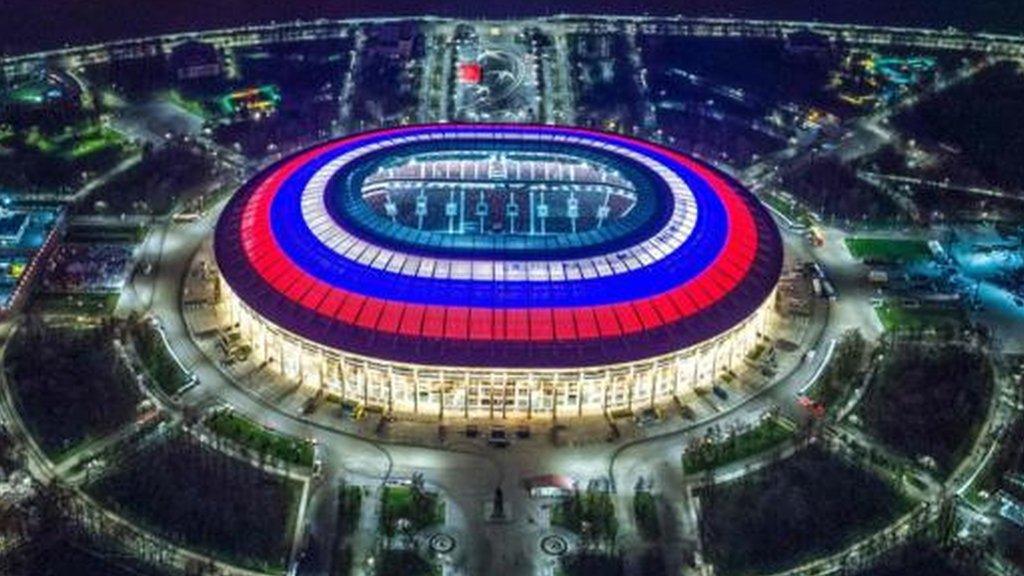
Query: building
[
  {"x": 28, "y": 236},
  {"x": 251, "y": 103},
  {"x": 550, "y": 486},
  {"x": 393, "y": 41},
  {"x": 809, "y": 45},
  {"x": 194, "y": 60},
  {"x": 498, "y": 271},
  {"x": 13, "y": 226}
]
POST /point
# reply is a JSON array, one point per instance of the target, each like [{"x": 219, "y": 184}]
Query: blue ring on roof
[
  {"x": 256, "y": 292},
  {"x": 309, "y": 253}
]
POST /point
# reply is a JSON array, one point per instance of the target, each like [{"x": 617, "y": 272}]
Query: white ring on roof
[{"x": 676, "y": 230}]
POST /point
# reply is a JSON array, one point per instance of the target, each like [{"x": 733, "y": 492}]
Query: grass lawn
[
  {"x": 886, "y": 250},
  {"x": 118, "y": 234},
  {"x": 162, "y": 368},
  {"x": 252, "y": 436},
  {"x": 792, "y": 210},
  {"x": 206, "y": 500},
  {"x": 69, "y": 386},
  {"x": 896, "y": 318},
  {"x": 843, "y": 374},
  {"x": 800, "y": 508},
  {"x": 590, "y": 514},
  {"x": 917, "y": 409},
  {"x": 645, "y": 510},
  {"x": 707, "y": 455},
  {"x": 76, "y": 144},
  {"x": 92, "y": 304},
  {"x": 192, "y": 106},
  {"x": 93, "y": 140},
  {"x": 38, "y": 162},
  {"x": 403, "y": 503}
]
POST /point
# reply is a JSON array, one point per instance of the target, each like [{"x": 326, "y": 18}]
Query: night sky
[{"x": 34, "y": 24}]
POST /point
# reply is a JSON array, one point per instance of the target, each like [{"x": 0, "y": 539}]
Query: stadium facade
[{"x": 498, "y": 270}]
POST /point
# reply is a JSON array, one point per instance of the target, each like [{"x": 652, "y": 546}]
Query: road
[{"x": 171, "y": 248}]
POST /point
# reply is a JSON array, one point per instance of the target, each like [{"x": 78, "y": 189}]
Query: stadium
[{"x": 498, "y": 270}]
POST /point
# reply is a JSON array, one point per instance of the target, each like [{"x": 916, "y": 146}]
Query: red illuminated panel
[
  {"x": 433, "y": 322},
  {"x": 480, "y": 324},
  {"x": 470, "y": 73},
  {"x": 350, "y": 308},
  {"x": 391, "y": 319},
  {"x": 667, "y": 310},
  {"x": 370, "y": 313},
  {"x": 412, "y": 319},
  {"x": 457, "y": 323},
  {"x": 627, "y": 318},
  {"x": 586, "y": 325},
  {"x": 330, "y": 304},
  {"x": 313, "y": 298},
  {"x": 606, "y": 321},
  {"x": 541, "y": 328},
  {"x": 565, "y": 326},
  {"x": 499, "y": 324},
  {"x": 517, "y": 325},
  {"x": 648, "y": 315}
]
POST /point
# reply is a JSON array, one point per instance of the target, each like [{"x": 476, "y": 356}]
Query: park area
[
  {"x": 887, "y": 250},
  {"x": 156, "y": 358},
  {"x": 709, "y": 453},
  {"x": 69, "y": 385},
  {"x": 84, "y": 304},
  {"x": 175, "y": 172},
  {"x": 843, "y": 374},
  {"x": 832, "y": 190},
  {"x": 66, "y": 558},
  {"x": 916, "y": 560},
  {"x": 407, "y": 509},
  {"x": 799, "y": 508},
  {"x": 645, "y": 511},
  {"x": 350, "y": 504},
  {"x": 790, "y": 208},
  {"x": 259, "y": 440},
  {"x": 43, "y": 161},
  {"x": 929, "y": 401},
  {"x": 205, "y": 500},
  {"x": 592, "y": 563},
  {"x": 979, "y": 120},
  {"x": 922, "y": 318},
  {"x": 75, "y": 143},
  {"x": 591, "y": 514}
]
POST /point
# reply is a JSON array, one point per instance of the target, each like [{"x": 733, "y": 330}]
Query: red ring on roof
[{"x": 750, "y": 234}]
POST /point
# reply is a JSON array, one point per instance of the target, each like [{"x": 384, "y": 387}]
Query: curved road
[{"x": 467, "y": 476}]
